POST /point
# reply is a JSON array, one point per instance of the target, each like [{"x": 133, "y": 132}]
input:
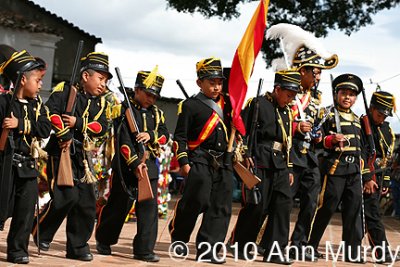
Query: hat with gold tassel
[
  {"x": 301, "y": 48},
  {"x": 151, "y": 82},
  {"x": 209, "y": 68}
]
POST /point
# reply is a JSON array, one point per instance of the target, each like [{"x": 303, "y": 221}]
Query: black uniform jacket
[
  {"x": 149, "y": 120},
  {"x": 268, "y": 131},
  {"x": 90, "y": 113},
  {"x": 33, "y": 121},
  {"x": 354, "y": 148},
  {"x": 198, "y": 127}
]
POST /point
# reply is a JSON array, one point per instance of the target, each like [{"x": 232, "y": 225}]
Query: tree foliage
[{"x": 316, "y": 16}]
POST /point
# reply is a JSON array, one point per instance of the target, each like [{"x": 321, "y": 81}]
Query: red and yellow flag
[{"x": 243, "y": 62}]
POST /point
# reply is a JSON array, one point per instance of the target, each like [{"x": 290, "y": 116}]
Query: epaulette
[
  {"x": 248, "y": 102},
  {"x": 180, "y": 107},
  {"x": 59, "y": 87}
]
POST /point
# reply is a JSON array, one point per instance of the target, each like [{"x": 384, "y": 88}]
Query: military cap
[
  {"x": 288, "y": 79},
  {"x": 96, "y": 61},
  {"x": 306, "y": 57},
  {"x": 209, "y": 68},
  {"x": 384, "y": 102},
  {"x": 151, "y": 82},
  {"x": 19, "y": 61},
  {"x": 347, "y": 81}
]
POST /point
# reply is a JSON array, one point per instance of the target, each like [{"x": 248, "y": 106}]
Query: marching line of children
[{"x": 284, "y": 159}]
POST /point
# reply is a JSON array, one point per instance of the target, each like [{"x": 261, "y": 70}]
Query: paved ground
[{"x": 122, "y": 252}]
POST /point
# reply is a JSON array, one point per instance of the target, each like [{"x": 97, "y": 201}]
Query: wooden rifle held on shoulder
[
  {"x": 248, "y": 177},
  {"x": 7, "y": 154},
  {"x": 144, "y": 188},
  {"x": 366, "y": 121},
  {"x": 65, "y": 174}
]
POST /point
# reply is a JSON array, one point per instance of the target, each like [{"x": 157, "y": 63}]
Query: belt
[
  {"x": 215, "y": 158},
  {"x": 21, "y": 158},
  {"x": 274, "y": 145}
]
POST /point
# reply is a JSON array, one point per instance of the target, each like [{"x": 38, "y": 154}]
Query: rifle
[
  {"x": 65, "y": 175},
  {"x": 370, "y": 137},
  {"x": 182, "y": 88},
  {"x": 144, "y": 188},
  {"x": 252, "y": 132},
  {"x": 249, "y": 178},
  {"x": 7, "y": 153},
  {"x": 338, "y": 128}
]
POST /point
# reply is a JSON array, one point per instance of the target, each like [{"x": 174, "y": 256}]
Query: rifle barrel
[{"x": 182, "y": 88}]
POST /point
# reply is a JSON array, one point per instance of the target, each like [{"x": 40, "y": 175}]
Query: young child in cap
[
  {"x": 75, "y": 132},
  {"x": 342, "y": 170},
  {"x": 126, "y": 167},
  {"x": 28, "y": 122},
  {"x": 274, "y": 168},
  {"x": 381, "y": 106},
  {"x": 200, "y": 144}
]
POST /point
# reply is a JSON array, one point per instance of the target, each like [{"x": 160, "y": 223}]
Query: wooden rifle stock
[
  {"x": 248, "y": 178},
  {"x": 65, "y": 174},
  {"x": 370, "y": 137},
  {"x": 3, "y": 138},
  {"x": 144, "y": 188}
]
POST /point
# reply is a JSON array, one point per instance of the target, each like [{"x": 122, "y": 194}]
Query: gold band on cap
[
  {"x": 347, "y": 83},
  {"x": 16, "y": 56}
]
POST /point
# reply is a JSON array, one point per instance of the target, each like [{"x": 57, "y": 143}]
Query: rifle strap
[{"x": 211, "y": 104}]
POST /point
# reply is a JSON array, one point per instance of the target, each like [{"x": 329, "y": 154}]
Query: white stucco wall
[{"x": 37, "y": 44}]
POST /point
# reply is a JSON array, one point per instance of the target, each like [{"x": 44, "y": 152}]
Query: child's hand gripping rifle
[
  {"x": 65, "y": 175},
  {"x": 144, "y": 188}
]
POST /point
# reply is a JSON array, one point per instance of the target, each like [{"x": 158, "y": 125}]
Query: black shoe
[
  {"x": 147, "y": 257},
  {"x": 19, "y": 260},
  {"x": 103, "y": 249},
  {"x": 388, "y": 259},
  {"x": 278, "y": 260},
  {"x": 42, "y": 245},
  {"x": 83, "y": 257}
]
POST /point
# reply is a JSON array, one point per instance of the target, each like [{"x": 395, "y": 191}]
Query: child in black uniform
[{"x": 29, "y": 121}]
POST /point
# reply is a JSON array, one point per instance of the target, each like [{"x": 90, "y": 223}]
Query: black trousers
[
  {"x": 373, "y": 219},
  {"x": 276, "y": 203},
  {"x": 307, "y": 182},
  {"x": 78, "y": 205},
  {"x": 112, "y": 218},
  {"x": 206, "y": 191},
  {"x": 347, "y": 189},
  {"x": 26, "y": 195}
]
